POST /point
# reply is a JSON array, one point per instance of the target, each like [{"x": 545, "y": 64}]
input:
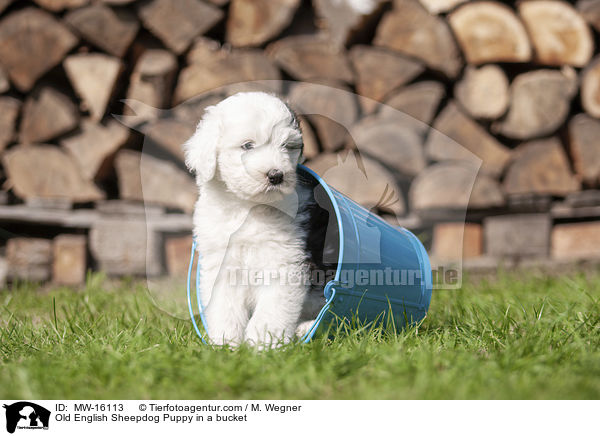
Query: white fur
[{"x": 241, "y": 222}]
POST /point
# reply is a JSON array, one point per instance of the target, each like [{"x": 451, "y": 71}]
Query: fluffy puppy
[{"x": 249, "y": 229}]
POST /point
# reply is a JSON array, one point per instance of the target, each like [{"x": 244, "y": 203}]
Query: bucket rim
[
  {"x": 338, "y": 217},
  {"x": 329, "y": 289}
]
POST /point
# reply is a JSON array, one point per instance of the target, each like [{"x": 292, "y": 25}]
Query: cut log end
[
  {"x": 559, "y": 34},
  {"x": 483, "y": 92},
  {"x": 309, "y": 57},
  {"x": 251, "y": 23},
  {"x": 490, "y": 32},
  {"x": 44, "y": 171},
  {"x": 176, "y": 24},
  {"x": 411, "y": 30},
  {"x": 539, "y": 103},
  {"x": 94, "y": 77},
  {"x": 380, "y": 71},
  {"x": 104, "y": 28},
  {"x": 584, "y": 132},
  {"x": 47, "y": 114},
  {"x": 31, "y": 43},
  {"x": 540, "y": 167}
]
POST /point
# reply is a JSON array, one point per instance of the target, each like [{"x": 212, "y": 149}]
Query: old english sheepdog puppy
[{"x": 250, "y": 219}]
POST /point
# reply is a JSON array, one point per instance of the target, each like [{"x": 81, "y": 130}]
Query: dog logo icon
[{"x": 26, "y": 415}]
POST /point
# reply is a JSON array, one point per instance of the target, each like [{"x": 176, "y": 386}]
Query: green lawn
[{"x": 513, "y": 337}]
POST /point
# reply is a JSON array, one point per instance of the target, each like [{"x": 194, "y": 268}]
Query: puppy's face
[
  {"x": 259, "y": 151},
  {"x": 257, "y": 144}
]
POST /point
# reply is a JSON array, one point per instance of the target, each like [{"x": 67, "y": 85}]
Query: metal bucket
[{"x": 382, "y": 272}]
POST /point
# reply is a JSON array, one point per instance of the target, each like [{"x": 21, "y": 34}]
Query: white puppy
[{"x": 247, "y": 224}]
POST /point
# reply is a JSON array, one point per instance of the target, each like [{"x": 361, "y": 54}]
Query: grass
[{"x": 510, "y": 338}]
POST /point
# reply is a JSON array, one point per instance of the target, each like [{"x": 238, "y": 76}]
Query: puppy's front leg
[
  {"x": 227, "y": 315},
  {"x": 276, "y": 314}
]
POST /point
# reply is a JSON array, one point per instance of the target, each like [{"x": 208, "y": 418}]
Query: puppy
[{"x": 249, "y": 220}]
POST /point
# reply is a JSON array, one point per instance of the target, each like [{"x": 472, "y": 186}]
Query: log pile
[{"x": 428, "y": 112}]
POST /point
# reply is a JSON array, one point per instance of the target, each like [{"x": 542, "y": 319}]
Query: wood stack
[{"x": 422, "y": 110}]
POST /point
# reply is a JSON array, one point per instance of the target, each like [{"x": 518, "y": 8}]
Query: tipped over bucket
[{"x": 382, "y": 272}]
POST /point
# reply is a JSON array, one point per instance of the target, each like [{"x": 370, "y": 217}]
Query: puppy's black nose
[{"x": 275, "y": 177}]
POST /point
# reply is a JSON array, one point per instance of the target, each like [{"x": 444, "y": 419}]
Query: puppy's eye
[
  {"x": 248, "y": 145},
  {"x": 292, "y": 145}
]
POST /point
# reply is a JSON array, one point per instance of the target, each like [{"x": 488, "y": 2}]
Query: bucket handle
[
  {"x": 189, "y": 293},
  {"x": 329, "y": 293}
]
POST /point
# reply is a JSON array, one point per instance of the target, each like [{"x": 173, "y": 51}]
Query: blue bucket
[{"x": 382, "y": 272}]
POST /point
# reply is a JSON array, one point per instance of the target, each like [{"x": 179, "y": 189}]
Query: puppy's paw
[
  {"x": 222, "y": 334},
  {"x": 304, "y": 327},
  {"x": 266, "y": 344},
  {"x": 263, "y": 338}
]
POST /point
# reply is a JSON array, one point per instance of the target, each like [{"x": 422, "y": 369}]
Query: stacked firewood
[{"x": 428, "y": 112}]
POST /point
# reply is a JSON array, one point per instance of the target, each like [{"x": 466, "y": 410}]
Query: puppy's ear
[
  {"x": 201, "y": 149},
  {"x": 295, "y": 122},
  {"x": 296, "y": 125}
]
